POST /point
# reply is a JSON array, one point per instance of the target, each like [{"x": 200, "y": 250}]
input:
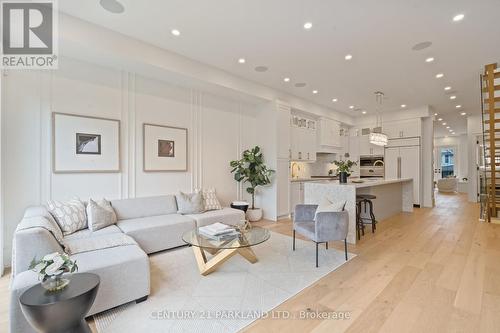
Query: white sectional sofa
[{"x": 152, "y": 222}]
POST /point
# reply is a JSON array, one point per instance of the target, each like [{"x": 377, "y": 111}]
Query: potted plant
[
  {"x": 51, "y": 268},
  {"x": 344, "y": 169},
  {"x": 251, "y": 169}
]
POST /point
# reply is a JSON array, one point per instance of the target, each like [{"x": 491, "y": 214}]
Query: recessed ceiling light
[
  {"x": 430, "y": 59},
  {"x": 450, "y": 131},
  {"x": 458, "y": 106},
  {"x": 447, "y": 127},
  {"x": 453, "y": 133},
  {"x": 363, "y": 112},
  {"x": 241, "y": 60},
  {"x": 175, "y": 32},
  {"x": 112, "y": 6},
  {"x": 348, "y": 57},
  {"x": 403, "y": 105},
  {"x": 315, "y": 91},
  {"x": 334, "y": 100},
  {"x": 447, "y": 88},
  {"x": 453, "y": 97},
  {"x": 351, "y": 107},
  {"x": 439, "y": 75},
  {"x": 458, "y": 17},
  {"x": 287, "y": 79},
  {"x": 308, "y": 25},
  {"x": 444, "y": 124},
  {"x": 435, "y": 114},
  {"x": 439, "y": 119},
  {"x": 463, "y": 113}
]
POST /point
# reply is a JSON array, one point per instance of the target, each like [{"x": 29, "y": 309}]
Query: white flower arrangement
[{"x": 53, "y": 265}]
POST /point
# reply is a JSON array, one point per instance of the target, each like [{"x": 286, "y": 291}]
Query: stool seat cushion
[{"x": 366, "y": 196}]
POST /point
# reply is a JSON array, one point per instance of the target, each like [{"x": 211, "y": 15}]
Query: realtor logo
[{"x": 29, "y": 35}]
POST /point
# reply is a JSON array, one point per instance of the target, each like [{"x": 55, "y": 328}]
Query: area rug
[{"x": 228, "y": 299}]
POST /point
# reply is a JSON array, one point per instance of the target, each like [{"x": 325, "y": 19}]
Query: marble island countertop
[{"x": 367, "y": 182}]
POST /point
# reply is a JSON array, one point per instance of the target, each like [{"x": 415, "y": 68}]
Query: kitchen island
[{"x": 393, "y": 196}]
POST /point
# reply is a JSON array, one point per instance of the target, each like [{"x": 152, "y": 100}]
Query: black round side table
[{"x": 63, "y": 311}]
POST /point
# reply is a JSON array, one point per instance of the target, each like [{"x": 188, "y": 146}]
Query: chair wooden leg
[
  {"x": 345, "y": 246},
  {"x": 316, "y": 254},
  {"x": 293, "y": 240}
]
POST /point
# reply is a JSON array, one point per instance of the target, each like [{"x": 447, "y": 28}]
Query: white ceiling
[{"x": 379, "y": 35}]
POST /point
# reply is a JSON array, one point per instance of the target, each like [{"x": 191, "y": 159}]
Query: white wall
[
  {"x": 474, "y": 128},
  {"x": 218, "y": 130}
]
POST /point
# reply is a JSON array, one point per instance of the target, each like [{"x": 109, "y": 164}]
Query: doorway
[{"x": 445, "y": 162}]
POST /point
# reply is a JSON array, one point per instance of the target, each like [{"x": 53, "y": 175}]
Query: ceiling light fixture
[
  {"x": 447, "y": 88},
  {"x": 458, "y": 106},
  {"x": 363, "y": 112},
  {"x": 348, "y": 57},
  {"x": 439, "y": 75},
  {"x": 435, "y": 114},
  {"x": 287, "y": 79},
  {"x": 463, "y": 113},
  {"x": 241, "y": 60},
  {"x": 308, "y": 25},
  {"x": 403, "y": 105},
  {"x": 453, "y": 97},
  {"x": 315, "y": 92},
  {"x": 377, "y": 137},
  {"x": 458, "y": 17},
  {"x": 448, "y": 127},
  {"x": 351, "y": 107},
  {"x": 439, "y": 119},
  {"x": 444, "y": 124},
  {"x": 334, "y": 100},
  {"x": 175, "y": 32},
  {"x": 430, "y": 59},
  {"x": 112, "y": 6}
]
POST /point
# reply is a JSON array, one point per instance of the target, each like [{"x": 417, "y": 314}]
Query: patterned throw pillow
[
  {"x": 210, "y": 199},
  {"x": 100, "y": 214},
  {"x": 189, "y": 203},
  {"x": 70, "y": 216}
]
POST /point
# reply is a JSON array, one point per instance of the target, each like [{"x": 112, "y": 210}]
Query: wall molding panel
[{"x": 83, "y": 88}]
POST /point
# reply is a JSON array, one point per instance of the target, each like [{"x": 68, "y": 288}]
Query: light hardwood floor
[{"x": 436, "y": 270}]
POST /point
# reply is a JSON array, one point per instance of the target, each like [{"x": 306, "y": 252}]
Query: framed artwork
[
  {"x": 165, "y": 148},
  {"x": 85, "y": 144}
]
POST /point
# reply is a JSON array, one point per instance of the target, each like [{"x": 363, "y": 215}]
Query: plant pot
[
  {"x": 343, "y": 177},
  {"x": 254, "y": 215},
  {"x": 55, "y": 283}
]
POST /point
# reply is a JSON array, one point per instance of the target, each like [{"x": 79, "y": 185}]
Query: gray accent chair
[{"x": 328, "y": 226}]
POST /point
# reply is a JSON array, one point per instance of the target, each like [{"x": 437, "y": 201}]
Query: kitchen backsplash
[{"x": 319, "y": 168}]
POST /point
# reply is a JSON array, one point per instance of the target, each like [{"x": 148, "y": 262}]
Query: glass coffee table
[{"x": 221, "y": 251}]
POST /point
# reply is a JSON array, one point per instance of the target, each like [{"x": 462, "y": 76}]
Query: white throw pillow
[
  {"x": 70, "y": 215},
  {"x": 210, "y": 199},
  {"x": 100, "y": 214},
  {"x": 190, "y": 203},
  {"x": 329, "y": 206}
]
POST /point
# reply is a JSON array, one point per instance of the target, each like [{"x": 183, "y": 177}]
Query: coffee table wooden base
[{"x": 219, "y": 257}]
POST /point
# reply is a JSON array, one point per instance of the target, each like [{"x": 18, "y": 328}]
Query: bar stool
[
  {"x": 360, "y": 227},
  {"x": 365, "y": 200}
]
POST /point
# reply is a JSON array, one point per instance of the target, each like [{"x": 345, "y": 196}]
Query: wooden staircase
[{"x": 490, "y": 96}]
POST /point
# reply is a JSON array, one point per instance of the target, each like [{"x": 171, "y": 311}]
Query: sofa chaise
[{"x": 154, "y": 224}]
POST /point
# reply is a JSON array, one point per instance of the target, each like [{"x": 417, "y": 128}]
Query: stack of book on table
[{"x": 218, "y": 231}]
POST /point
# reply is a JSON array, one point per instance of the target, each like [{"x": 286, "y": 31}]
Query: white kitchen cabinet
[
  {"x": 329, "y": 133},
  {"x": 303, "y": 142},
  {"x": 283, "y": 131},
  {"x": 283, "y": 187},
  {"x": 367, "y": 149},
  {"x": 404, "y": 162},
  {"x": 402, "y": 128},
  {"x": 296, "y": 194}
]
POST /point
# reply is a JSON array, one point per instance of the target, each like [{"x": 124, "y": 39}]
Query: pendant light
[{"x": 376, "y": 136}]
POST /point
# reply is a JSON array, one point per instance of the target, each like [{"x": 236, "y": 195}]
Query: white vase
[{"x": 254, "y": 215}]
